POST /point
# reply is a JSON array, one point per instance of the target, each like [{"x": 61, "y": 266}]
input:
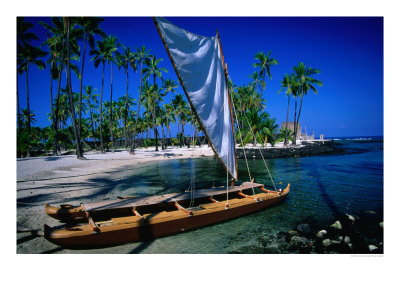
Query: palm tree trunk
[
  {"x": 80, "y": 88},
  {"x": 56, "y": 121},
  {"x": 183, "y": 133},
  {"x": 294, "y": 122},
  {"x": 126, "y": 108},
  {"x": 111, "y": 111},
  {"x": 101, "y": 111},
  {"x": 71, "y": 103},
  {"x": 92, "y": 121},
  {"x": 137, "y": 113},
  {"x": 298, "y": 117},
  {"x": 18, "y": 112},
  {"x": 154, "y": 115},
  {"x": 51, "y": 98},
  {"x": 287, "y": 120},
  {"x": 180, "y": 133},
  {"x": 28, "y": 154}
]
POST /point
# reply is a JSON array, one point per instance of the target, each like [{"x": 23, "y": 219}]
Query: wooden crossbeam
[
  {"x": 248, "y": 196},
  {"x": 180, "y": 207},
  {"x": 268, "y": 191},
  {"x": 136, "y": 213},
  {"x": 219, "y": 202},
  {"x": 92, "y": 223}
]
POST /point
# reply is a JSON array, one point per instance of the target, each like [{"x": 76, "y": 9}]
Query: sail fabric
[{"x": 199, "y": 65}]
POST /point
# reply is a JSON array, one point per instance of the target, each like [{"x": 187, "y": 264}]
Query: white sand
[{"x": 63, "y": 179}]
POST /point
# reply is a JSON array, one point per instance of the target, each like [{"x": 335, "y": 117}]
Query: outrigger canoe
[{"x": 129, "y": 222}]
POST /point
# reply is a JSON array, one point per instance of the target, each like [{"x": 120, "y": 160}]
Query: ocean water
[{"x": 322, "y": 188}]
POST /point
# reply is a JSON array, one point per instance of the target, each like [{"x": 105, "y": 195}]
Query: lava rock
[
  {"x": 304, "y": 228},
  {"x": 326, "y": 243},
  {"x": 351, "y": 218},
  {"x": 372, "y": 248},
  {"x": 337, "y": 225},
  {"x": 303, "y": 244},
  {"x": 322, "y": 233}
]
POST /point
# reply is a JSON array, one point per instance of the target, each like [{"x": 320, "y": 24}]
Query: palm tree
[
  {"x": 56, "y": 42},
  {"x": 169, "y": 117},
  {"x": 91, "y": 101},
  {"x": 140, "y": 55},
  {"x": 24, "y": 38},
  {"x": 264, "y": 63},
  {"x": 252, "y": 119},
  {"x": 79, "y": 152},
  {"x": 112, "y": 46},
  {"x": 268, "y": 129},
  {"x": 89, "y": 27},
  {"x": 182, "y": 111},
  {"x": 306, "y": 82},
  {"x": 29, "y": 55},
  {"x": 126, "y": 60},
  {"x": 288, "y": 82},
  {"x": 153, "y": 69},
  {"x": 101, "y": 54},
  {"x": 161, "y": 121},
  {"x": 169, "y": 86}
]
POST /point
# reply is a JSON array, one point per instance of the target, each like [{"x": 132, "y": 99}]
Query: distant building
[
  {"x": 291, "y": 127},
  {"x": 300, "y": 135}
]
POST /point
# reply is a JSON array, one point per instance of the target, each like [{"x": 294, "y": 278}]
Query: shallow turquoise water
[{"x": 322, "y": 187}]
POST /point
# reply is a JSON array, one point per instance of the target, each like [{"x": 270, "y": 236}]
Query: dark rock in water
[
  {"x": 326, "y": 243},
  {"x": 322, "y": 233},
  {"x": 304, "y": 228},
  {"x": 337, "y": 225},
  {"x": 302, "y": 244},
  {"x": 292, "y": 233},
  {"x": 307, "y": 149},
  {"x": 372, "y": 248}
]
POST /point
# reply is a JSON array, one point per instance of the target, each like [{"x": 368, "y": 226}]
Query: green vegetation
[{"x": 84, "y": 120}]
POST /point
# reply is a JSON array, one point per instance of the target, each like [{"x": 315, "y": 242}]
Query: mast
[{"x": 229, "y": 99}]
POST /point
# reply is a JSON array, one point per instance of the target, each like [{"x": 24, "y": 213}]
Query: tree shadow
[
  {"x": 142, "y": 246},
  {"x": 55, "y": 250},
  {"x": 328, "y": 200}
]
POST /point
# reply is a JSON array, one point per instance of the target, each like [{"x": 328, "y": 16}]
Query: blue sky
[{"x": 347, "y": 50}]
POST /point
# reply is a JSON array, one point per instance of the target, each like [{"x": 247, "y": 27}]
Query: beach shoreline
[{"x": 66, "y": 179}]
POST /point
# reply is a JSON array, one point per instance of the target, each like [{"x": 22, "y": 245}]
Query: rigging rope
[
  {"x": 244, "y": 152},
  {"x": 193, "y": 178},
  {"x": 266, "y": 166}
]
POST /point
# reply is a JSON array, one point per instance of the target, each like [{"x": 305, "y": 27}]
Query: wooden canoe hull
[
  {"x": 129, "y": 229},
  {"x": 66, "y": 213}
]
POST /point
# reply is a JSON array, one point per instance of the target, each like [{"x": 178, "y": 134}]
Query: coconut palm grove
[{"x": 136, "y": 99}]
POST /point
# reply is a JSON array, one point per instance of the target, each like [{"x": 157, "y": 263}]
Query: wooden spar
[
  {"x": 247, "y": 196},
  {"x": 136, "y": 213},
  {"x": 152, "y": 200},
  {"x": 229, "y": 100},
  {"x": 190, "y": 101},
  {"x": 92, "y": 223},
  {"x": 180, "y": 207}
]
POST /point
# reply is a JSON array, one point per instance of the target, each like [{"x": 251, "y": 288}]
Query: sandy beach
[
  {"x": 63, "y": 179},
  {"x": 66, "y": 179}
]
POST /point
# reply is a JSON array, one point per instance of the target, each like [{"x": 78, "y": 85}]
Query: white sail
[{"x": 198, "y": 62}]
